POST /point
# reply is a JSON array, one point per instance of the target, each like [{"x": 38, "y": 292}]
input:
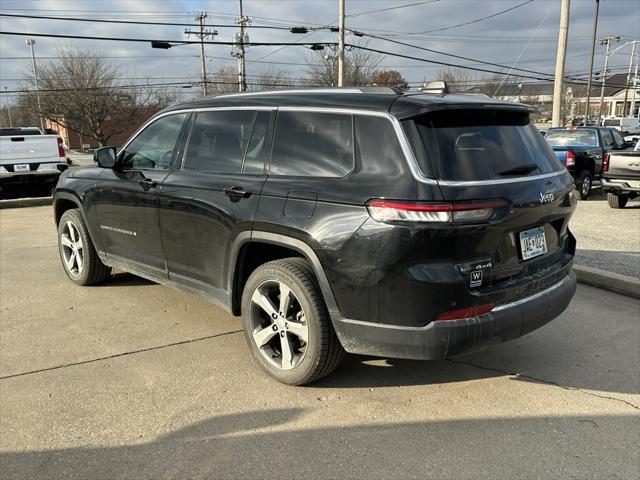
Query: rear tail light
[
  {"x": 605, "y": 162},
  {"x": 571, "y": 159},
  {"x": 465, "y": 312},
  {"x": 60, "y": 147},
  {"x": 463, "y": 212}
]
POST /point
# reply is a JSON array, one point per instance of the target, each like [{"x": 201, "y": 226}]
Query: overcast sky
[{"x": 525, "y": 37}]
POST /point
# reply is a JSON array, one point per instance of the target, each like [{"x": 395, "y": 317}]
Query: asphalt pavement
[
  {"x": 135, "y": 380},
  {"x": 608, "y": 239}
]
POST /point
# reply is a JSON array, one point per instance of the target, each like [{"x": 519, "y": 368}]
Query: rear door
[
  {"x": 213, "y": 196},
  {"x": 127, "y": 197},
  {"x": 481, "y": 155}
]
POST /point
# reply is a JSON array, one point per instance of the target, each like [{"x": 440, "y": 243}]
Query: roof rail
[{"x": 373, "y": 89}]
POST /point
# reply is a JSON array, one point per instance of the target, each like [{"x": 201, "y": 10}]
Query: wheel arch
[
  {"x": 63, "y": 202},
  {"x": 297, "y": 247}
]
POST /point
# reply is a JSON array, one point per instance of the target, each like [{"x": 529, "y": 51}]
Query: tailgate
[
  {"x": 624, "y": 164},
  {"x": 28, "y": 149}
]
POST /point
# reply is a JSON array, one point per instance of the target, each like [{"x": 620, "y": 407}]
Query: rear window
[
  {"x": 576, "y": 138},
  {"x": 477, "y": 145},
  {"x": 611, "y": 122}
]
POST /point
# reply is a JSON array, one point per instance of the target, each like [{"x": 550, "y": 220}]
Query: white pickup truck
[{"x": 30, "y": 159}]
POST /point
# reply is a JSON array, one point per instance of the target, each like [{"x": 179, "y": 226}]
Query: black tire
[
  {"x": 584, "y": 184},
  {"x": 323, "y": 352},
  {"x": 616, "y": 200},
  {"x": 90, "y": 270}
]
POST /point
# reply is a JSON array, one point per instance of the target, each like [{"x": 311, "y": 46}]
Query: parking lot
[{"x": 136, "y": 380}]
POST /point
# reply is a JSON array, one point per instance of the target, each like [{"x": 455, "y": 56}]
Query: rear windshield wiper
[{"x": 519, "y": 170}]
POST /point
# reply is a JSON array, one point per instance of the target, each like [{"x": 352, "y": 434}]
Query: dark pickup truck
[{"x": 585, "y": 151}]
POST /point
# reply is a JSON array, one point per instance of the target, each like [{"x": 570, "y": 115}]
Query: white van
[{"x": 626, "y": 125}]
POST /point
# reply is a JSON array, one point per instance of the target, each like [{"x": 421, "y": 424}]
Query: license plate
[
  {"x": 533, "y": 243},
  {"x": 21, "y": 167}
]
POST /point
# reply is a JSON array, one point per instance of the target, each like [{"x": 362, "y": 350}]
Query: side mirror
[
  {"x": 105, "y": 157},
  {"x": 630, "y": 143}
]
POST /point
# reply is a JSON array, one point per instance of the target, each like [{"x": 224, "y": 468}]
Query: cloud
[{"x": 501, "y": 39}]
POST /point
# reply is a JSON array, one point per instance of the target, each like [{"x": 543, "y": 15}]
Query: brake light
[
  {"x": 465, "y": 312},
  {"x": 463, "y": 212},
  {"x": 60, "y": 147},
  {"x": 570, "y": 159},
  {"x": 605, "y": 162}
]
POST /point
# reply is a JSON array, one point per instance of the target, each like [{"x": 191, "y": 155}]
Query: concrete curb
[
  {"x": 613, "y": 282},
  {"x": 25, "y": 202}
]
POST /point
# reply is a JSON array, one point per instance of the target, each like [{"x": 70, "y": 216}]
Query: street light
[
  {"x": 31, "y": 42},
  {"x": 8, "y": 107}
]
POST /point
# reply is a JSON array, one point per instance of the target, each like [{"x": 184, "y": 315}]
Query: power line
[
  {"x": 357, "y": 14},
  {"x": 478, "y": 19},
  {"x": 175, "y": 42},
  {"x": 136, "y": 22},
  {"x": 484, "y": 70}
]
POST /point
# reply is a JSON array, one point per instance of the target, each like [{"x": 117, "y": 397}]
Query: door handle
[
  {"x": 236, "y": 193},
  {"x": 147, "y": 183}
]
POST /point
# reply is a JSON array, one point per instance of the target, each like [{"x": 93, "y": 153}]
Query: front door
[
  {"x": 213, "y": 197},
  {"x": 127, "y": 199}
]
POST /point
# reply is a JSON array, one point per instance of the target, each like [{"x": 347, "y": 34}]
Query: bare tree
[
  {"x": 224, "y": 80},
  {"x": 272, "y": 79},
  {"x": 84, "y": 93},
  {"x": 359, "y": 69},
  {"x": 458, "y": 79}
]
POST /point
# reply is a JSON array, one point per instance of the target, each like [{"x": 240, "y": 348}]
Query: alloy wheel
[
  {"x": 72, "y": 249},
  {"x": 278, "y": 325}
]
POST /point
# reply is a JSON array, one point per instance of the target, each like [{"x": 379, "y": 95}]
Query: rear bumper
[
  {"x": 619, "y": 185},
  {"x": 442, "y": 339}
]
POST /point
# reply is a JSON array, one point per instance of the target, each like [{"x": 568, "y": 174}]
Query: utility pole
[
  {"x": 626, "y": 92},
  {"x": 8, "y": 107},
  {"x": 593, "y": 49},
  {"x": 341, "y": 43},
  {"x": 560, "y": 59},
  {"x": 633, "y": 97},
  {"x": 605, "y": 41},
  {"x": 239, "y": 41},
  {"x": 202, "y": 34},
  {"x": 31, "y": 42}
]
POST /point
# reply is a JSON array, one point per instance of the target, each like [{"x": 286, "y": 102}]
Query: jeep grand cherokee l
[{"x": 402, "y": 225}]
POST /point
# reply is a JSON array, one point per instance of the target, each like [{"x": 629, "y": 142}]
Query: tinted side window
[
  {"x": 617, "y": 138},
  {"x": 377, "y": 143},
  {"x": 153, "y": 147},
  {"x": 257, "y": 149},
  {"x": 218, "y": 141},
  {"x": 312, "y": 144},
  {"x": 607, "y": 138}
]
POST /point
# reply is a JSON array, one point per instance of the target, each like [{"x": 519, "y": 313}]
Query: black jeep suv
[{"x": 403, "y": 225}]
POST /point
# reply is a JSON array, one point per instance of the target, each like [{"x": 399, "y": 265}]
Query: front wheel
[
  {"x": 616, "y": 200},
  {"x": 77, "y": 253},
  {"x": 286, "y": 323},
  {"x": 584, "y": 184}
]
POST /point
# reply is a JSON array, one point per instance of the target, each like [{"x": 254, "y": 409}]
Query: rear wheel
[
  {"x": 584, "y": 184},
  {"x": 77, "y": 253},
  {"x": 286, "y": 323},
  {"x": 616, "y": 200}
]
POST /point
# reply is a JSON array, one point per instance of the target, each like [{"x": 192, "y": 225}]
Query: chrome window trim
[{"x": 405, "y": 146}]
